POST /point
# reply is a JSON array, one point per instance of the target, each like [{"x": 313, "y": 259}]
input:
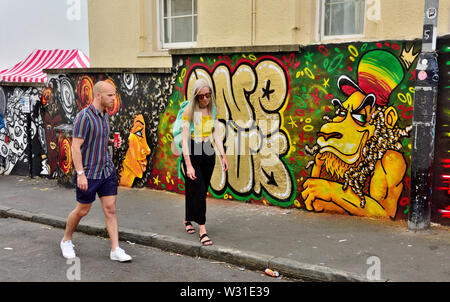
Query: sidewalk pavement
[{"x": 296, "y": 243}]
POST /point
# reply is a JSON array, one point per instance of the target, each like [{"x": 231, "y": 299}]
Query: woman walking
[{"x": 198, "y": 155}]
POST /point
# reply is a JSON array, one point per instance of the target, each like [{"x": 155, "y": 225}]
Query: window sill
[
  {"x": 235, "y": 49},
  {"x": 152, "y": 54},
  {"x": 341, "y": 37}
]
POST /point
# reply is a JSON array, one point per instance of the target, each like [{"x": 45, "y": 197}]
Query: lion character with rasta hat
[{"x": 358, "y": 168}]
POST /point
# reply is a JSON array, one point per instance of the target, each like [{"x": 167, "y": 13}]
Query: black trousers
[{"x": 203, "y": 160}]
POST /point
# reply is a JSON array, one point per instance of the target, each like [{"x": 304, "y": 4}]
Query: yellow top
[{"x": 205, "y": 129}]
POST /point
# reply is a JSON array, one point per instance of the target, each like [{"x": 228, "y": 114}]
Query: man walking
[{"x": 95, "y": 173}]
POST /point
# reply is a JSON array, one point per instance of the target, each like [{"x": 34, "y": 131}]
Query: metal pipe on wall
[
  {"x": 424, "y": 122},
  {"x": 253, "y": 22}
]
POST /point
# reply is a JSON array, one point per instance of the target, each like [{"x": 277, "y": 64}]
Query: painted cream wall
[
  {"x": 275, "y": 22},
  {"x": 224, "y": 23},
  {"x": 399, "y": 19},
  {"x": 403, "y": 19},
  {"x": 125, "y": 33},
  {"x": 247, "y": 22},
  {"x": 120, "y": 36},
  {"x": 278, "y": 22},
  {"x": 406, "y": 16}
]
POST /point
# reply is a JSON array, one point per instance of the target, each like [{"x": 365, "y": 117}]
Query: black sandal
[
  {"x": 206, "y": 242},
  {"x": 189, "y": 230}
]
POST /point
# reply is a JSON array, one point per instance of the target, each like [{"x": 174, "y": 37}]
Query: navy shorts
[{"x": 102, "y": 187}]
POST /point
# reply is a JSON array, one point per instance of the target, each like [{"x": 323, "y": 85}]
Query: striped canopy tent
[{"x": 30, "y": 69}]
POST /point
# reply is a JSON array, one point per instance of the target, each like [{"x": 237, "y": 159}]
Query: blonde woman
[{"x": 199, "y": 155}]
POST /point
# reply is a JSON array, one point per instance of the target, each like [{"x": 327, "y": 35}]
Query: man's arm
[{"x": 82, "y": 182}]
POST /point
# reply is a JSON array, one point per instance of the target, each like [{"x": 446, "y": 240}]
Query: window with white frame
[
  {"x": 178, "y": 23},
  {"x": 341, "y": 18}
]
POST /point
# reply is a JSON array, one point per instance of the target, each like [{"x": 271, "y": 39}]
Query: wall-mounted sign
[
  {"x": 422, "y": 75},
  {"x": 431, "y": 13},
  {"x": 427, "y": 33},
  {"x": 25, "y": 101}
]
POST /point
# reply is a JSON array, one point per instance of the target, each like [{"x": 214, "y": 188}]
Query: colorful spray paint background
[
  {"x": 272, "y": 110},
  {"x": 291, "y": 92},
  {"x": 441, "y": 164},
  {"x": 142, "y": 95}
]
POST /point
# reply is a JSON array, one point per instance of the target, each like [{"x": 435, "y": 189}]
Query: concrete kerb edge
[
  {"x": 3, "y": 211},
  {"x": 237, "y": 257},
  {"x": 49, "y": 220},
  {"x": 250, "y": 260},
  {"x": 19, "y": 214},
  {"x": 292, "y": 268},
  {"x": 92, "y": 229},
  {"x": 177, "y": 245}
]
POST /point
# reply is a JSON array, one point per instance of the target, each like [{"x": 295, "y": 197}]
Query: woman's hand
[
  {"x": 224, "y": 163},
  {"x": 191, "y": 172}
]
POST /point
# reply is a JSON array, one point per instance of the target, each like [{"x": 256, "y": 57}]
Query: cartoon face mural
[
  {"x": 135, "y": 162},
  {"x": 359, "y": 146},
  {"x": 143, "y": 99}
]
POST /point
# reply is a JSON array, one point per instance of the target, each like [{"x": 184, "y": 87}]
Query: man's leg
[
  {"x": 109, "y": 208},
  {"x": 74, "y": 218},
  {"x": 108, "y": 195}
]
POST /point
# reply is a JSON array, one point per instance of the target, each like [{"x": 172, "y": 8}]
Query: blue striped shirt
[{"x": 93, "y": 127}]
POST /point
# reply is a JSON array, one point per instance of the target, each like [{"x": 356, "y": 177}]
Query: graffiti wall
[
  {"x": 22, "y": 140},
  {"x": 441, "y": 166},
  {"x": 324, "y": 129},
  {"x": 140, "y": 100}
]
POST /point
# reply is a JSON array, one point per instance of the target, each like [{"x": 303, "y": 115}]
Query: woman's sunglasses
[{"x": 201, "y": 96}]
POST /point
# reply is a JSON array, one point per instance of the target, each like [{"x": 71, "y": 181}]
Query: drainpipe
[
  {"x": 142, "y": 36},
  {"x": 295, "y": 28},
  {"x": 424, "y": 122},
  {"x": 253, "y": 22}
]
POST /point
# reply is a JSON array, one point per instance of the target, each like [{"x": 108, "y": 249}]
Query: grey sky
[{"x": 26, "y": 25}]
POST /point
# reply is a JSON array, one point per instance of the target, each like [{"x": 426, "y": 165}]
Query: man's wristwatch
[{"x": 80, "y": 172}]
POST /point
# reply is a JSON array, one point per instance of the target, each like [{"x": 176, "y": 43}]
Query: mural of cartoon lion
[{"x": 358, "y": 168}]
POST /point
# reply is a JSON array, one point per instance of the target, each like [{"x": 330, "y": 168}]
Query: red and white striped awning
[{"x": 30, "y": 69}]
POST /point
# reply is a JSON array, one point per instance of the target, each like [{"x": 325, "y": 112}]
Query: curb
[{"x": 250, "y": 260}]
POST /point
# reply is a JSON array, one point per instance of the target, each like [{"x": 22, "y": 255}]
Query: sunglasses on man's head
[{"x": 201, "y": 96}]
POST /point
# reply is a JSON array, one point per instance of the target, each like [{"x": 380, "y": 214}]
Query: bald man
[{"x": 95, "y": 172}]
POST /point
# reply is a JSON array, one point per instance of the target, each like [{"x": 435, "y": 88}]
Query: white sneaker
[
  {"x": 119, "y": 255},
  {"x": 67, "y": 249}
]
